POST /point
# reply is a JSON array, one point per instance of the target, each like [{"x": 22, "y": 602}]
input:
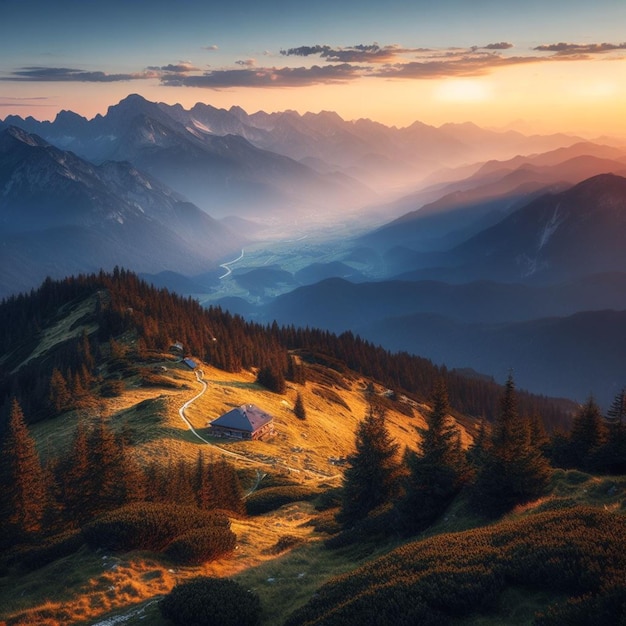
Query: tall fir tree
[
  {"x": 617, "y": 410},
  {"x": 587, "y": 435},
  {"x": 372, "y": 476},
  {"x": 437, "y": 472},
  {"x": 24, "y": 486},
  {"x": 512, "y": 470},
  {"x": 74, "y": 477},
  {"x": 60, "y": 397}
]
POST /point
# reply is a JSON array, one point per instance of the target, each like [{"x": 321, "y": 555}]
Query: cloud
[
  {"x": 570, "y": 49},
  {"x": 34, "y": 101},
  {"x": 338, "y": 65},
  {"x": 268, "y": 77},
  {"x": 452, "y": 66},
  {"x": 180, "y": 67},
  {"x": 502, "y": 45},
  {"x": 64, "y": 74},
  {"x": 360, "y": 53},
  {"x": 212, "y": 48}
]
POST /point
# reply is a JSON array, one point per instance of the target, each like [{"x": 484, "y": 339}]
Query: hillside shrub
[
  {"x": 148, "y": 526},
  {"x": 49, "y": 551},
  {"x": 206, "y": 601},
  {"x": 112, "y": 388},
  {"x": 577, "y": 553},
  {"x": 201, "y": 544},
  {"x": 270, "y": 499},
  {"x": 286, "y": 542}
]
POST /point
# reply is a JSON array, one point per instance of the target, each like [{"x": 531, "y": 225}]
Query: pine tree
[
  {"x": 271, "y": 378},
  {"x": 437, "y": 472},
  {"x": 23, "y": 483},
  {"x": 512, "y": 470},
  {"x": 226, "y": 487},
  {"x": 617, "y": 410},
  {"x": 205, "y": 497},
  {"x": 298, "y": 408},
  {"x": 587, "y": 435},
  {"x": 476, "y": 452},
  {"x": 60, "y": 397},
  {"x": 74, "y": 477},
  {"x": 371, "y": 478}
]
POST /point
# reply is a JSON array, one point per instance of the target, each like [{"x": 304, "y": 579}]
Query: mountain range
[
  {"x": 61, "y": 215},
  {"x": 482, "y": 240}
]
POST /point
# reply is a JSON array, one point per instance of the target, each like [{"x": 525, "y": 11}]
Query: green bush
[
  {"x": 148, "y": 526},
  {"x": 208, "y": 601},
  {"x": 273, "y": 498},
  {"x": 52, "y": 549},
  {"x": 201, "y": 544},
  {"x": 578, "y": 554},
  {"x": 286, "y": 542}
]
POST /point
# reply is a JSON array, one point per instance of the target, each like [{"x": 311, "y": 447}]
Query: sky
[{"x": 536, "y": 65}]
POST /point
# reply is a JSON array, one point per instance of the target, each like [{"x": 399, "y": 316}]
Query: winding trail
[
  {"x": 226, "y": 266},
  {"x": 181, "y": 412},
  {"x": 241, "y": 457}
]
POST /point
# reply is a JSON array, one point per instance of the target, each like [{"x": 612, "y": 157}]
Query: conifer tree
[
  {"x": 437, "y": 472},
  {"x": 131, "y": 476},
  {"x": 371, "y": 478},
  {"x": 74, "y": 477},
  {"x": 205, "y": 497},
  {"x": 617, "y": 410},
  {"x": 476, "y": 452},
  {"x": 512, "y": 470},
  {"x": 60, "y": 397},
  {"x": 23, "y": 483},
  {"x": 271, "y": 378},
  {"x": 226, "y": 487},
  {"x": 587, "y": 435},
  {"x": 298, "y": 408}
]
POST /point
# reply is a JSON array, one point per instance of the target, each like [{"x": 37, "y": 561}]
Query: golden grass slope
[
  {"x": 84, "y": 586},
  {"x": 306, "y": 449}
]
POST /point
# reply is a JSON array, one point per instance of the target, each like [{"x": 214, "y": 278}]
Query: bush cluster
[
  {"x": 50, "y": 550},
  {"x": 270, "y": 499},
  {"x": 148, "y": 526},
  {"x": 201, "y": 544},
  {"x": 578, "y": 553},
  {"x": 206, "y": 601}
]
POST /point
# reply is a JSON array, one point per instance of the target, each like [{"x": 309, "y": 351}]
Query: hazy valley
[{"x": 443, "y": 244}]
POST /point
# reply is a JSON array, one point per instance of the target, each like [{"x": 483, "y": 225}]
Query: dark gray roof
[{"x": 246, "y": 417}]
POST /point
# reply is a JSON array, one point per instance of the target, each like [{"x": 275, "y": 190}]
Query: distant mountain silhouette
[
  {"x": 554, "y": 238},
  {"x": 232, "y": 162},
  {"x": 60, "y": 214},
  {"x": 573, "y": 357},
  {"x": 487, "y": 326},
  {"x": 221, "y": 172},
  {"x": 497, "y": 189}
]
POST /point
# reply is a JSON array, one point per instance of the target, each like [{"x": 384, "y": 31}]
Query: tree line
[
  {"x": 124, "y": 305},
  {"x": 97, "y": 475},
  {"x": 510, "y": 462}
]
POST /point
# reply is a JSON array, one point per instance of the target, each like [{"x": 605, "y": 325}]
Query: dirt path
[{"x": 241, "y": 457}]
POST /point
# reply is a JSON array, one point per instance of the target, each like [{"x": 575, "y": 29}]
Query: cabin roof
[{"x": 247, "y": 417}]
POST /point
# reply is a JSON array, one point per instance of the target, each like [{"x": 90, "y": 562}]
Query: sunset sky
[{"x": 556, "y": 65}]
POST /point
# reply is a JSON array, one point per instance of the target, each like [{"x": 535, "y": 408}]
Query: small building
[
  {"x": 190, "y": 363},
  {"x": 244, "y": 422}
]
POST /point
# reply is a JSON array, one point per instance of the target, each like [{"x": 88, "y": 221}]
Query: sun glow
[{"x": 464, "y": 90}]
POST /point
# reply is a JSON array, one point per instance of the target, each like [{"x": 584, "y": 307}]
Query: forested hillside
[
  {"x": 94, "y": 366},
  {"x": 121, "y": 305}
]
